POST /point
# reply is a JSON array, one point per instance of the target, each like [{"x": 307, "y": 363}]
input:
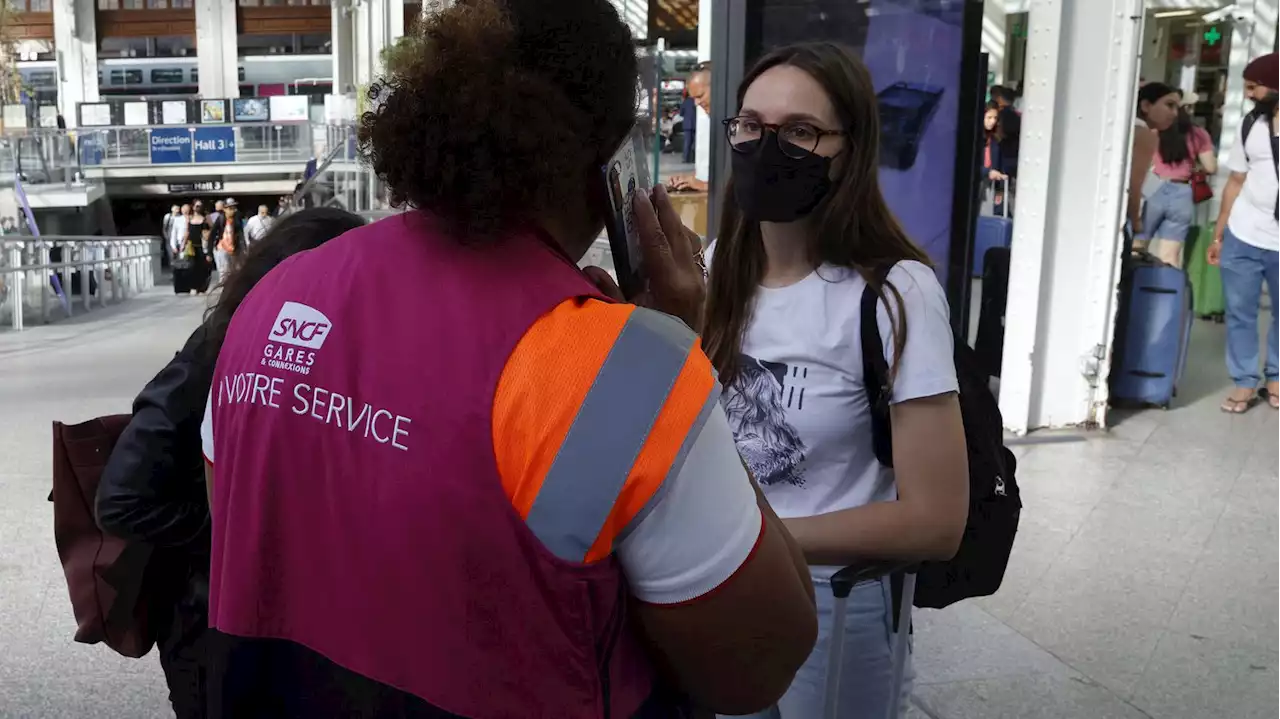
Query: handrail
[
  {"x": 302, "y": 191},
  {"x": 77, "y": 238},
  {"x": 127, "y": 262}
]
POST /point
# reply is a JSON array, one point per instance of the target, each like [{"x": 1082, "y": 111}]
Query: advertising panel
[{"x": 913, "y": 49}]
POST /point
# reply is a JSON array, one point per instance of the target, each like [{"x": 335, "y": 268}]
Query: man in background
[
  {"x": 167, "y": 223},
  {"x": 256, "y": 228},
  {"x": 697, "y": 96},
  {"x": 175, "y": 229}
]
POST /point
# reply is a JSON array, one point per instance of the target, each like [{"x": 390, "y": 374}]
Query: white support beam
[
  {"x": 702, "y": 138},
  {"x": 995, "y": 37},
  {"x": 342, "y": 42},
  {"x": 1081, "y": 76},
  {"x": 75, "y": 35},
  {"x": 217, "y": 48}
]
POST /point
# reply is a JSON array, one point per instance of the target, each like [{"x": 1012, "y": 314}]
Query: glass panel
[
  {"x": 157, "y": 4},
  {"x": 918, "y": 98},
  {"x": 167, "y": 76},
  {"x": 41, "y": 5}
]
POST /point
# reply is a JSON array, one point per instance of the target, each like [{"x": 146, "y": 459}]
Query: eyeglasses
[{"x": 795, "y": 139}]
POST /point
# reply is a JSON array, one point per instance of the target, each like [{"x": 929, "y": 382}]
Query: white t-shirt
[
  {"x": 1253, "y": 218},
  {"x": 700, "y": 530},
  {"x": 799, "y": 408}
]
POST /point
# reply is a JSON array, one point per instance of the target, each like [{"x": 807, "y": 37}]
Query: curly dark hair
[
  {"x": 500, "y": 108},
  {"x": 291, "y": 234}
]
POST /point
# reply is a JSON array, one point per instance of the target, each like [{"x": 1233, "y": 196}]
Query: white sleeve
[
  {"x": 1236, "y": 160},
  {"x": 206, "y": 430},
  {"x": 928, "y": 358},
  {"x": 703, "y": 527}
]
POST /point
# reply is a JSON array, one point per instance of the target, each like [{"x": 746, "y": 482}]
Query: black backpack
[
  {"x": 994, "y": 502},
  {"x": 1245, "y": 127}
]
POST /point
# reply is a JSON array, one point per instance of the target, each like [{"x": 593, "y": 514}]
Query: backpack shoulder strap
[
  {"x": 875, "y": 369},
  {"x": 1245, "y": 126}
]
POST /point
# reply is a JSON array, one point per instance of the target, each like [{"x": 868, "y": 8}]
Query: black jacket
[
  {"x": 217, "y": 222},
  {"x": 152, "y": 489}
]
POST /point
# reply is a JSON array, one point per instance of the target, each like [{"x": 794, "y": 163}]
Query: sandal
[
  {"x": 1234, "y": 404},
  {"x": 1272, "y": 393}
]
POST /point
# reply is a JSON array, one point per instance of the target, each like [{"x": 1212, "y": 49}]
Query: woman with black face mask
[{"x": 805, "y": 228}]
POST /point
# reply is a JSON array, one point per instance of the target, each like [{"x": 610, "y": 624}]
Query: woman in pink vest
[{"x": 452, "y": 475}]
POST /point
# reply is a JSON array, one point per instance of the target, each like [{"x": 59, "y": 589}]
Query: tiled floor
[{"x": 1144, "y": 582}]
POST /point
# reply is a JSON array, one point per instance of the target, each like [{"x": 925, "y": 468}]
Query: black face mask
[{"x": 772, "y": 187}]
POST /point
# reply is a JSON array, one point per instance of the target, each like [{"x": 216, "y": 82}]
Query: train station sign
[
  {"x": 215, "y": 144},
  {"x": 170, "y": 146},
  {"x": 178, "y": 188}
]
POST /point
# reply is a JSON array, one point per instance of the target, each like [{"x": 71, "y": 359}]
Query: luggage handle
[
  {"x": 1004, "y": 205},
  {"x": 842, "y": 583}
]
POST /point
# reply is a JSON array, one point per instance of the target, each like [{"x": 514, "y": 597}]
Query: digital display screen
[
  {"x": 913, "y": 49},
  {"x": 250, "y": 109}
]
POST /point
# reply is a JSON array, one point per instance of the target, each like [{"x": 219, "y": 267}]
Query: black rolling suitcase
[
  {"x": 989, "y": 343},
  {"x": 182, "y": 267}
]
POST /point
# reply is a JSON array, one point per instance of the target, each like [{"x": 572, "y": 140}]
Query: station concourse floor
[{"x": 1143, "y": 583}]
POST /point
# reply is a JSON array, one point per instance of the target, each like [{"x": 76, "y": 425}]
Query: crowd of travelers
[
  {"x": 428, "y": 467},
  {"x": 199, "y": 242}
]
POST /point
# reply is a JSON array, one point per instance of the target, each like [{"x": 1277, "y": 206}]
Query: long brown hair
[{"x": 853, "y": 226}]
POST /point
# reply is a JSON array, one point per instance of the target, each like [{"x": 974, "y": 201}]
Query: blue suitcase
[
  {"x": 1153, "y": 331},
  {"x": 994, "y": 230}
]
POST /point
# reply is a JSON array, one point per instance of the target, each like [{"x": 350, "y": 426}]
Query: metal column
[{"x": 1081, "y": 80}]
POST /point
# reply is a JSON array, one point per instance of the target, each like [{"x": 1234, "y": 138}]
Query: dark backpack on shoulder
[
  {"x": 1245, "y": 127},
  {"x": 994, "y": 502}
]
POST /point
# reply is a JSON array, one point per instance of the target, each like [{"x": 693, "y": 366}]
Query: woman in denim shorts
[{"x": 1169, "y": 211}]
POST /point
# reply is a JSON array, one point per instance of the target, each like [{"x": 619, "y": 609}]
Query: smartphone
[
  {"x": 625, "y": 176},
  {"x": 905, "y": 111}
]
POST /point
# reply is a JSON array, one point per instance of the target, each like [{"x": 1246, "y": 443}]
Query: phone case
[{"x": 626, "y": 174}]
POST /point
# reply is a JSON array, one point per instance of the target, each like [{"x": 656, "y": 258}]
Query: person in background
[
  {"x": 1170, "y": 210},
  {"x": 995, "y": 170},
  {"x": 176, "y": 229},
  {"x": 195, "y": 247},
  {"x": 170, "y": 220},
  {"x": 1246, "y": 241},
  {"x": 1009, "y": 124},
  {"x": 697, "y": 96},
  {"x": 152, "y": 489},
  {"x": 226, "y": 237},
  {"x": 504, "y": 516},
  {"x": 258, "y": 225},
  {"x": 1157, "y": 109},
  {"x": 805, "y": 229},
  {"x": 218, "y": 209}
]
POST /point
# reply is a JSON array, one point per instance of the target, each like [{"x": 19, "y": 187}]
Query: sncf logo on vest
[
  {"x": 304, "y": 329},
  {"x": 334, "y": 409}
]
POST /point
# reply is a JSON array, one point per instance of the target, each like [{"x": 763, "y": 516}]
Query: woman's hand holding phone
[{"x": 674, "y": 281}]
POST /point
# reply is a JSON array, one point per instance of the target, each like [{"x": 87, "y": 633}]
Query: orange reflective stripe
[
  {"x": 679, "y": 415},
  {"x": 544, "y": 383}
]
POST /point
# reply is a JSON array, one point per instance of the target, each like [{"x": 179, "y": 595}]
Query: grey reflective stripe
[
  {"x": 712, "y": 405},
  {"x": 612, "y": 426}
]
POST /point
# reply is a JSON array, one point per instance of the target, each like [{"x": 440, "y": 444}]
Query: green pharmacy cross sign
[{"x": 1212, "y": 36}]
